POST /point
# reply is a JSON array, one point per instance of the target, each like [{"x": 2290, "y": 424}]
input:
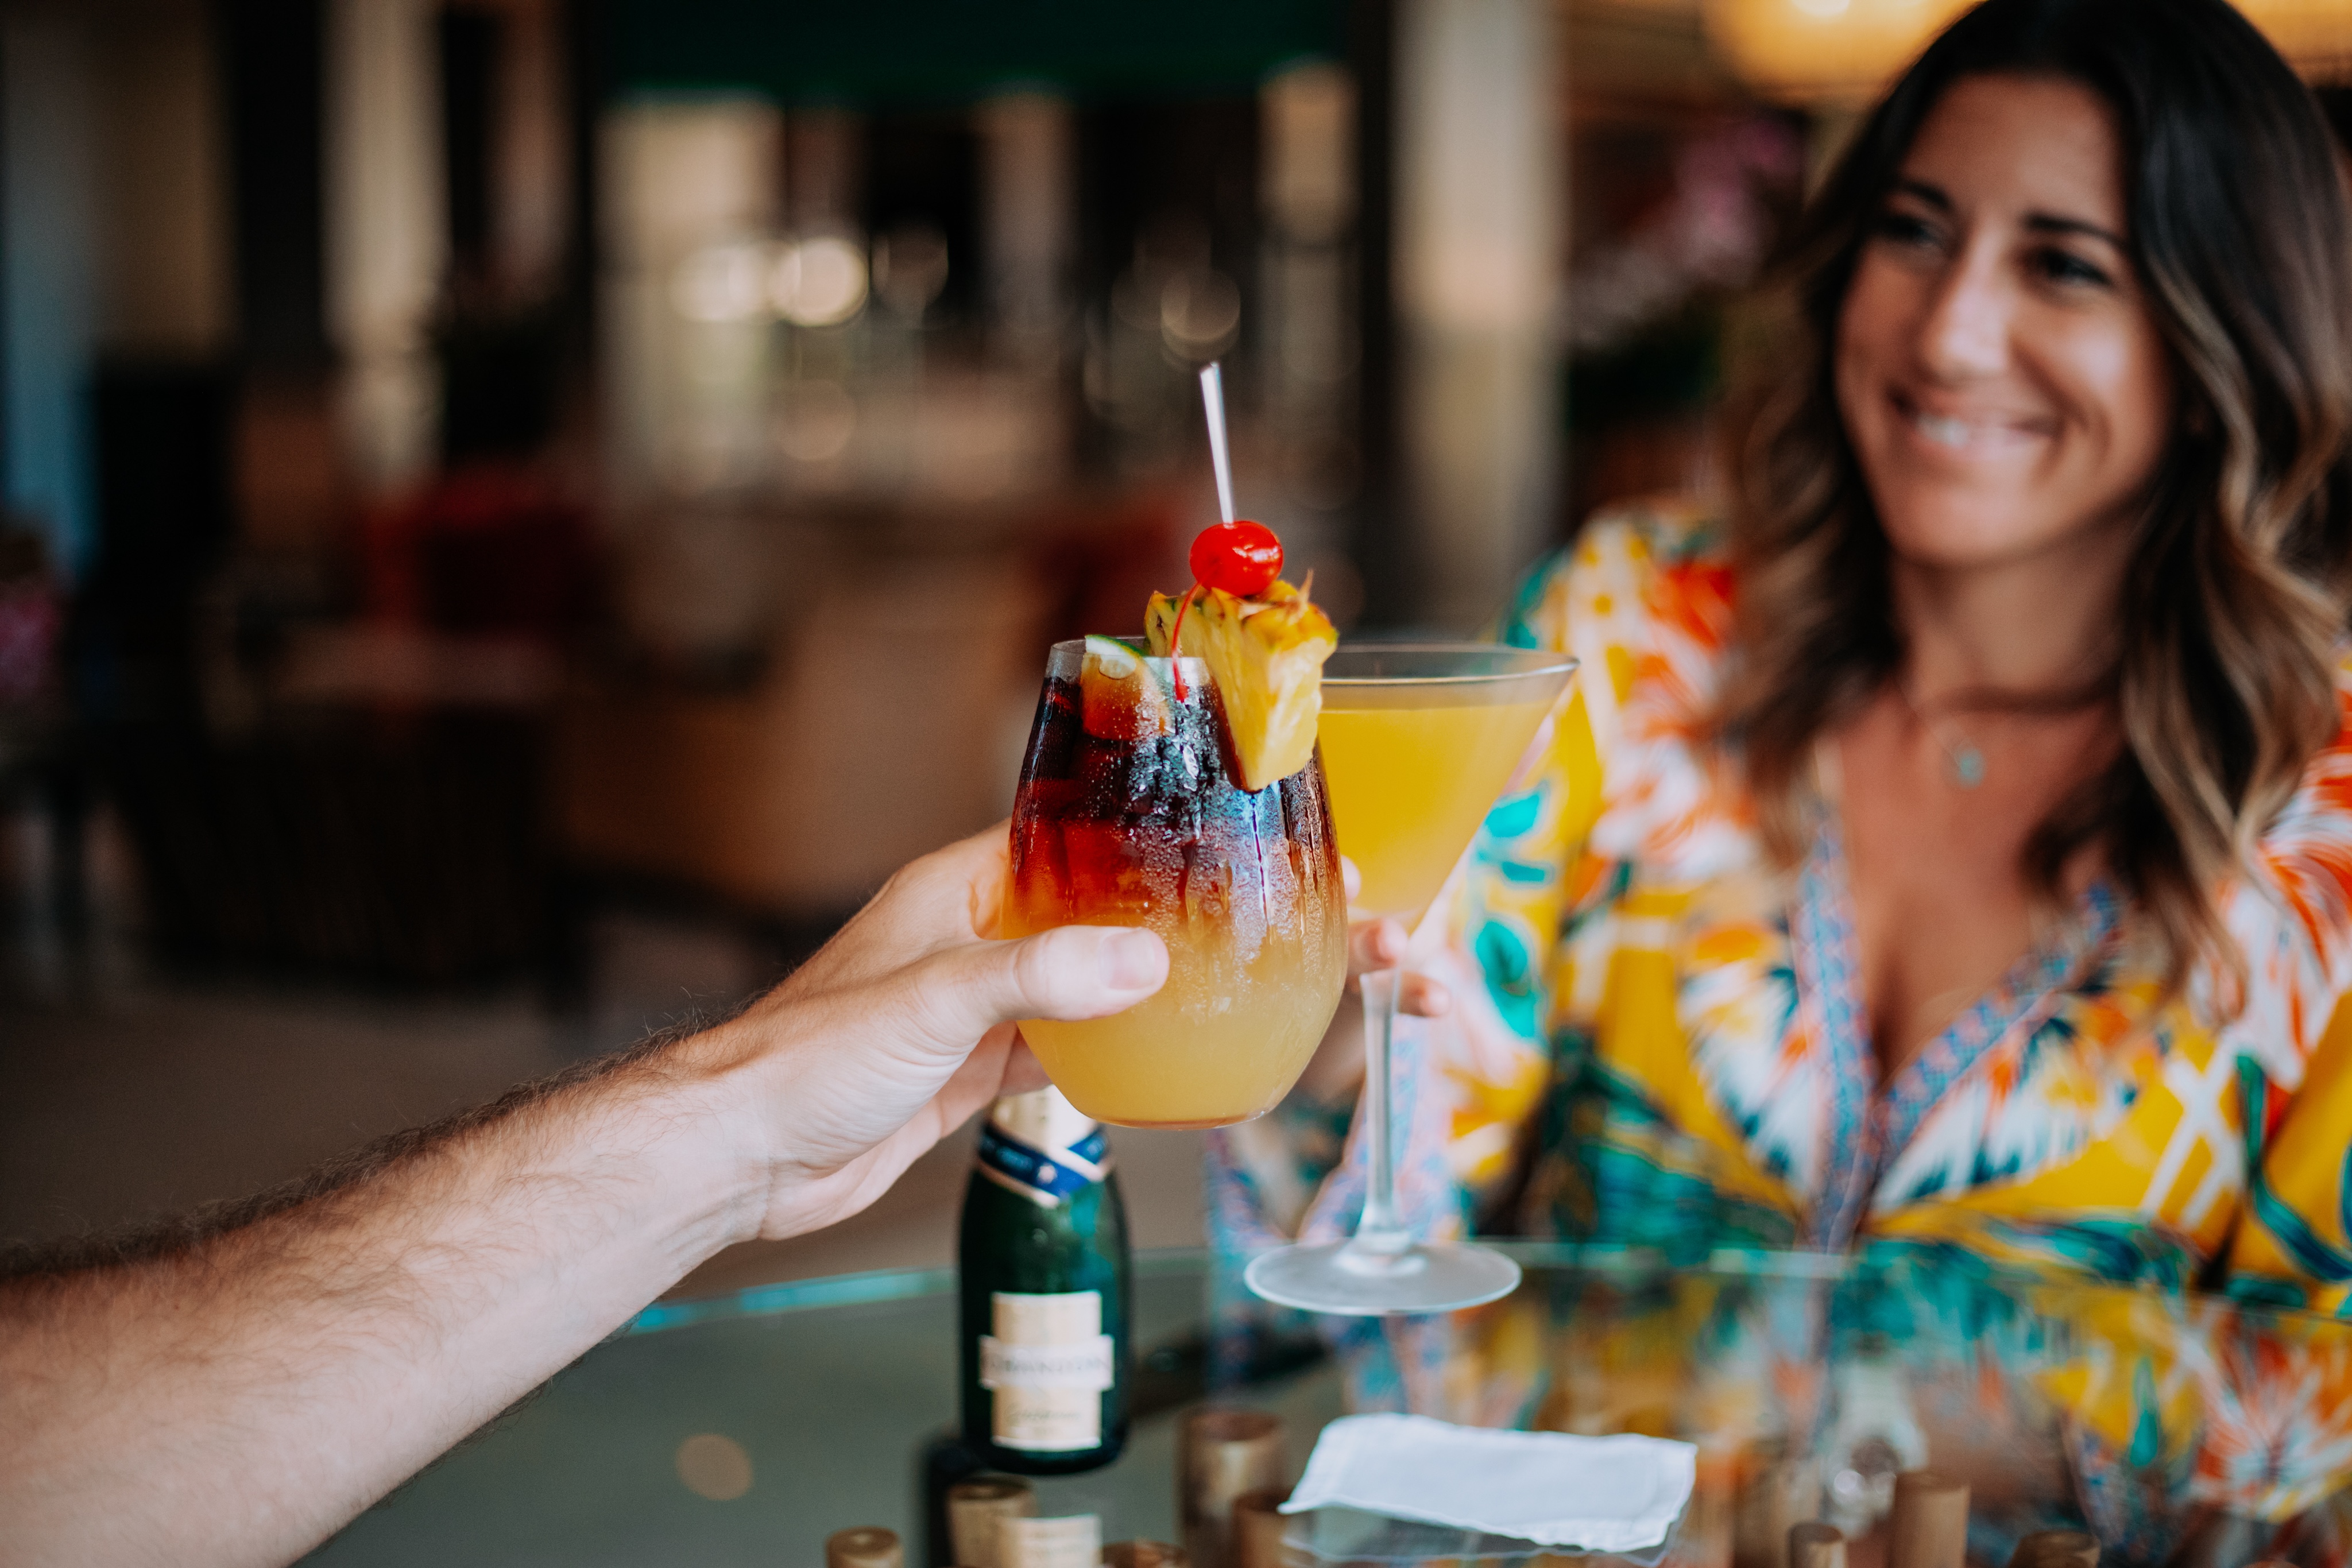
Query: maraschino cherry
[{"x": 1240, "y": 557}]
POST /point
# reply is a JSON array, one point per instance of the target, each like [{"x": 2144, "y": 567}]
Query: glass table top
[{"x": 746, "y": 1429}]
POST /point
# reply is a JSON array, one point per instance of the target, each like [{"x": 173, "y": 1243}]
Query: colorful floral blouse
[{"x": 1660, "y": 1038}]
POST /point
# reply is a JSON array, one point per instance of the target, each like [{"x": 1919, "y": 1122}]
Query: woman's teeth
[{"x": 1944, "y": 430}]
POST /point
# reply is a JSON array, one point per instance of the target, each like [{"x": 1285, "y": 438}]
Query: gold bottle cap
[
  {"x": 975, "y": 1507},
  {"x": 1223, "y": 1454},
  {"x": 1226, "y": 1453},
  {"x": 1929, "y": 1527},
  {"x": 1814, "y": 1544},
  {"x": 1258, "y": 1527},
  {"x": 2056, "y": 1549},
  {"x": 866, "y": 1546},
  {"x": 1142, "y": 1554}
]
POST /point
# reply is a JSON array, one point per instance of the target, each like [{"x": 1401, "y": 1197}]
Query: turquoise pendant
[{"x": 1967, "y": 766}]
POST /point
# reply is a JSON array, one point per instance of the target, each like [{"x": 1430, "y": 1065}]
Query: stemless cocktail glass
[
  {"x": 1418, "y": 739},
  {"x": 1112, "y": 828}
]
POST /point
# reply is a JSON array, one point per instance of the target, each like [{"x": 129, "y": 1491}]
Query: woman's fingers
[
  {"x": 1424, "y": 998},
  {"x": 1375, "y": 945},
  {"x": 1382, "y": 944}
]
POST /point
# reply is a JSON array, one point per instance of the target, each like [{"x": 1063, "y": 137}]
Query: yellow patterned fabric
[{"x": 1659, "y": 1038}]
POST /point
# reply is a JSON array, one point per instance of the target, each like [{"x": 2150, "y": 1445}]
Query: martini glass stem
[{"x": 1381, "y": 1231}]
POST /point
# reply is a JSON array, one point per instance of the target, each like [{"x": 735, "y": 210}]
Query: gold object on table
[
  {"x": 866, "y": 1546},
  {"x": 1223, "y": 1455},
  {"x": 1142, "y": 1554},
  {"x": 1769, "y": 1500},
  {"x": 1068, "y": 1541},
  {"x": 1814, "y": 1544},
  {"x": 1930, "y": 1526},
  {"x": 975, "y": 1508},
  {"x": 1258, "y": 1525},
  {"x": 2056, "y": 1549}
]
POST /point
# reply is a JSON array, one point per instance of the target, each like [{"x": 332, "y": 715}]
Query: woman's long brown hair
[{"x": 2237, "y": 590}]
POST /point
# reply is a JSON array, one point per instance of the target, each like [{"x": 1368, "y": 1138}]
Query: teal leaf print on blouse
[
  {"x": 2147, "y": 1431},
  {"x": 2311, "y": 1251},
  {"x": 1503, "y": 958},
  {"x": 1518, "y": 815},
  {"x": 1519, "y": 631}
]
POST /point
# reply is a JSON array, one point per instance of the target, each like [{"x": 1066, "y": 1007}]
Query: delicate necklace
[{"x": 1964, "y": 759}]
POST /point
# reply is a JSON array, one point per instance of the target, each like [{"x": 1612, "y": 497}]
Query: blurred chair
[{"x": 890, "y": 722}]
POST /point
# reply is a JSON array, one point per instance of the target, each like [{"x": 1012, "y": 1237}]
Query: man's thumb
[{"x": 1073, "y": 972}]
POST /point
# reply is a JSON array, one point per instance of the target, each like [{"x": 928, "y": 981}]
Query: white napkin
[{"x": 1598, "y": 1494}]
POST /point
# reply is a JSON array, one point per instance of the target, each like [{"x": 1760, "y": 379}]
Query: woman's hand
[{"x": 1375, "y": 944}]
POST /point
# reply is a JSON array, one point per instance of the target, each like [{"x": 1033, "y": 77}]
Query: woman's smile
[
  {"x": 1971, "y": 433},
  {"x": 2005, "y": 387}
]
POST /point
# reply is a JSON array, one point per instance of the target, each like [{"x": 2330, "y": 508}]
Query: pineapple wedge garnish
[{"x": 1266, "y": 656}]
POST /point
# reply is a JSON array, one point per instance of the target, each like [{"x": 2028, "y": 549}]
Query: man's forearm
[
  {"x": 325, "y": 1353},
  {"x": 235, "y": 1399}
]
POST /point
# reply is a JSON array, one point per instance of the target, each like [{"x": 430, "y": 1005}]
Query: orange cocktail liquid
[
  {"x": 1413, "y": 768},
  {"x": 1243, "y": 888}
]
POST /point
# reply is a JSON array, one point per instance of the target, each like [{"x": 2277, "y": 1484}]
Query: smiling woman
[
  {"x": 2064, "y": 464},
  {"x": 1950, "y": 841},
  {"x": 2000, "y": 377}
]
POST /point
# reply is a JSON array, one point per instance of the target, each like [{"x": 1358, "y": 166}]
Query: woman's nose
[{"x": 1966, "y": 333}]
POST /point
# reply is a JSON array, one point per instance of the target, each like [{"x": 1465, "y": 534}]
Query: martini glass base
[{"x": 1349, "y": 1279}]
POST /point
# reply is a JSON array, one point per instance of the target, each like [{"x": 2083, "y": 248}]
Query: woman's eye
[
  {"x": 2065, "y": 266},
  {"x": 1904, "y": 228}
]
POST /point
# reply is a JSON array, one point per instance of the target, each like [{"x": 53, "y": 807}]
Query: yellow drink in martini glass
[
  {"x": 1413, "y": 771},
  {"x": 1417, "y": 741}
]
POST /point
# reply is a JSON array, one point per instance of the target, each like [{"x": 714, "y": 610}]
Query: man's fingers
[{"x": 1023, "y": 1072}]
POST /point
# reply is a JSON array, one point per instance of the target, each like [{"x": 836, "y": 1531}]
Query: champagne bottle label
[
  {"x": 1072, "y": 1543},
  {"x": 1047, "y": 1367},
  {"x": 1036, "y": 1146}
]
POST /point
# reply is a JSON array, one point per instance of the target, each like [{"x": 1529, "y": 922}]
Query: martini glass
[{"x": 1417, "y": 741}]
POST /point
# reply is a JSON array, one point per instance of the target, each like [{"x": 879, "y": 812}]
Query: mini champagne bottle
[{"x": 1046, "y": 1281}]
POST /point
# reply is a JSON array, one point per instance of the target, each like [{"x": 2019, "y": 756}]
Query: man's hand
[
  {"x": 234, "y": 1395},
  {"x": 903, "y": 1026}
]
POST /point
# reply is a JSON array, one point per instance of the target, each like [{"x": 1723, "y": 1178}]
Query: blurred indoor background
[{"x": 519, "y": 513}]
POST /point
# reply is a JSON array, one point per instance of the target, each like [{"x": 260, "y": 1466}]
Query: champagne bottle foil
[{"x": 1047, "y": 1175}]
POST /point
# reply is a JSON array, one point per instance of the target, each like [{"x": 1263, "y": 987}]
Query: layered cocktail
[{"x": 1132, "y": 811}]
